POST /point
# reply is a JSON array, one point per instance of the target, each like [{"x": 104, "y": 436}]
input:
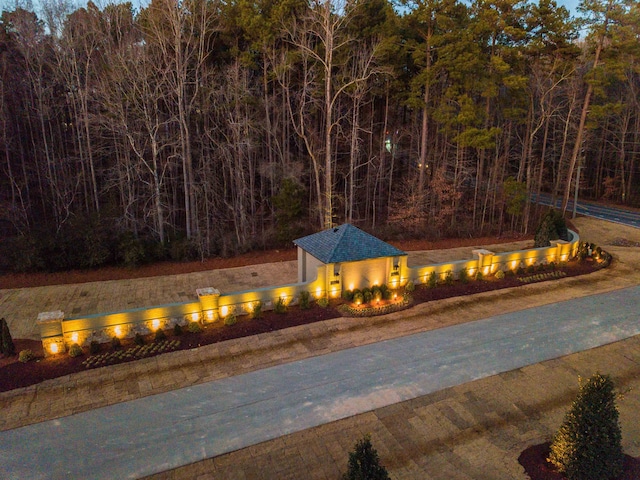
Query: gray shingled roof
[{"x": 346, "y": 243}]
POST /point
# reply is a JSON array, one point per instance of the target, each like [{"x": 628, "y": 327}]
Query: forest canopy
[{"x": 193, "y": 128}]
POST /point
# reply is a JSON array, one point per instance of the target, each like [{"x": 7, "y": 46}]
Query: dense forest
[{"x": 191, "y": 128}]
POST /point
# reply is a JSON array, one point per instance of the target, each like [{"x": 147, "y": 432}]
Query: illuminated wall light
[
  {"x": 155, "y": 324},
  {"x": 318, "y": 292},
  {"x": 513, "y": 265},
  {"x": 118, "y": 331},
  {"x": 195, "y": 317},
  {"x": 334, "y": 292},
  {"x": 54, "y": 348},
  {"x": 74, "y": 337},
  {"x": 472, "y": 271},
  {"x": 563, "y": 258},
  {"x": 224, "y": 311},
  {"x": 351, "y": 287}
]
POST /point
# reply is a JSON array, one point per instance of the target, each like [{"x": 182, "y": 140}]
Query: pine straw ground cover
[{"x": 15, "y": 374}]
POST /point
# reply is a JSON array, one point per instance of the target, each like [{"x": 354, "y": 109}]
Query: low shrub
[
  {"x": 25, "y": 356},
  {"x": 367, "y": 295},
  {"x": 463, "y": 275},
  {"x": 377, "y": 293},
  {"x": 499, "y": 274},
  {"x": 177, "y": 329},
  {"x": 75, "y": 350},
  {"x": 323, "y": 302},
  {"x": 432, "y": 280},
  {"x": 230, "y": 320},
  {"x": 256, "y": 311},
  {"x": 358, "y": 298},
  {"x": 347, "y": 295},
  {"x": 194, "y": 327},
  {"x": 479, "y": 276},
  {"x": 160, "y": 335},
  {"x": 531, "y": 268},
  {"x": 138, "y": 339},
  {"x": 520, "y": 271},
  {"x": 280, "y": 306},
  {"x": 448, "y": 278},
  {"x": 410, "y": 286},
  {"x": 116, "y": 344},
  {"x": 305, "y": 300}
]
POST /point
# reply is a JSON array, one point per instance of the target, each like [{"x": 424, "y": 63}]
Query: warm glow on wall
[
  {"x": 472, "y": 271},
  {"x": 195, "y": 317},
  {"x": 318, "y": 292},
  {"x": 351, "y": 286},
  {"x": 224, "y": 311},
  {"x": 54, "y": 348},
  {"x": 513, "y": 265},
  {"x": 487, "y": 270},
  {"x": 209, "y": 316},
  {"x": 74, "y": 337},
  {"x": 118, "y": 331},
  {"x": 563, "y": 258},
  {"x": 155, "y": 324},
  {"x": 334, "y": 292}
]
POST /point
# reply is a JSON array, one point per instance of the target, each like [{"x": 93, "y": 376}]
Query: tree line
[{"x": 192, "y": 128}]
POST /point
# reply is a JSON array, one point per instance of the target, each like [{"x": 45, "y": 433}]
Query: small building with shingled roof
[{"x": 350, "y": 258}]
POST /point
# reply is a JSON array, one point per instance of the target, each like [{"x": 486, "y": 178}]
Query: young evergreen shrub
[
  {"x": 7, "y": 347},
  {"x": 386, "y": 292},
  {"x": 364, "y": 463},
  {"x": 305, "y": 300},
  {"x": 479, "y": 276},
  {"x": 531, "y": 269},
  {"x": 448, "y": 278},
  {"x": 280, "y": 306},
  {"x": 377, "y": 293},
  {"x": 138, "y": 339},
  {"x": 499, "y": 274},
  {"x": 432, "y": 281},
  {"x": 194, "y": 327},
  {"x": 230, "y": 320},
  {"x": 256, "y": 312},
  {"x": 588, "y": 445},
  {"x": 358, "y": 298},
  {"x": 94, "y": 347},
  {"x": 410, "y": 286},
  {"x": 463, "y": 275},
  {"x": 177, "y": 329},
  {"x": 25, "y": 356},
  {"x": 75, "y": 350},
  {"x": 160, "y": 335}
]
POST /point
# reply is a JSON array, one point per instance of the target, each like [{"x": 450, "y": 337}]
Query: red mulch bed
[
  {"x": 14, "y": 374},
  {"x": 534, "y": 461}
]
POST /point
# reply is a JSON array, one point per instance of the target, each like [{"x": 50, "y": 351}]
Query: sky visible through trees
[{"x": 199, "y": 127}]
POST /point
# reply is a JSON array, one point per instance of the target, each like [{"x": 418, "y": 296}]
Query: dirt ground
[{"x": 22, "y": 280}]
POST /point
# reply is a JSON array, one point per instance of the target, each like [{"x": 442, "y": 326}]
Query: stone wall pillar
[
  {"x": 208, "y": 298},
  {"x": 485, "y": 260},
  {"x": 51, "y": 333}
]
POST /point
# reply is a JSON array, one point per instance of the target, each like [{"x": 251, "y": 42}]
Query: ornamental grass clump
[
  {"x": 588, "y": 445},
  {"x": 280, "y": 306},
  {"x": 256, "y": 311},
  {"x": 194, "y": 327},
  {"x": 432, "y": 280}
]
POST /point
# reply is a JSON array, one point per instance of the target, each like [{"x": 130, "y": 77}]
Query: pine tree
[
  {"x": 364, "y": 463},
  {"x": 588, "y": 445},
  {"x": 6, "y": 342}
]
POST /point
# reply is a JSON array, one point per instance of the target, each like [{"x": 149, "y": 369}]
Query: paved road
[
  {"x": 611, "y": 214},
  {"x": 160, "y": 432}
]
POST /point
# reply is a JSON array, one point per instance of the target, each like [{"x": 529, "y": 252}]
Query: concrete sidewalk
[{"x": 177, "y": 428}]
